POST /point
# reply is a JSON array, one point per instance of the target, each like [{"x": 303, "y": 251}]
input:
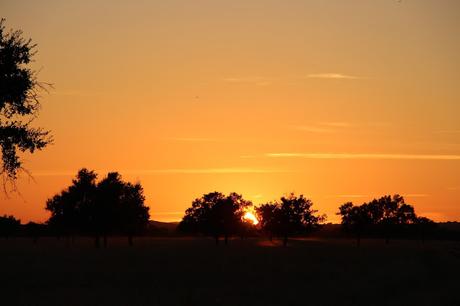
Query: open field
[{"x": 193, "y": 271}]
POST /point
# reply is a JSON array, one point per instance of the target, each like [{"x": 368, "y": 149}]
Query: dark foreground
[{"x": 181, "y": 271}]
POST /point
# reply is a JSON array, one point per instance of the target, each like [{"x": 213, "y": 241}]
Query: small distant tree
[
  {"x": 216, "y": 215},
  {"x": 9, "y": 226},
  {"x": 290, "y": 216},
  {"x": 19, "y": 102}
]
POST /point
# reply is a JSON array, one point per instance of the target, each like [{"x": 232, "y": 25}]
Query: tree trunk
[
  {"x": 105, "y": 241},
  {"x": 387, "y": 240},
  {"x": 270, "y": 238},
  {"x": 97, "y": 241},
  {"x": 358, "y": 240},
  {"x": 130, "y": 240},
  {"x": 226, "y": 239},
  {"x": 217, "y": 240}
]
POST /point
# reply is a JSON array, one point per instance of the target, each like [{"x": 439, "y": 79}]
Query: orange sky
[{"x": 338, "y": 100}]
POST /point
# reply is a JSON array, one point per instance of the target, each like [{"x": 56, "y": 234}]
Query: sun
[{"x": 249, "y": 216}]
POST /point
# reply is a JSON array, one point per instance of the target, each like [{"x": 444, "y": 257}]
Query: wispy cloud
[
  {"x": 416, "y": 195},
  {"x": 336, "y": 124},
  {"x": 347, "y": 196},
  {"x": 448, "y": 132},
  {"x": 193, "y": 139},
  {"x": 332, "y": 76},
  {"x": 208, "y": 171},
  {"x": 313, "y": 129},
  {"x": 364, "y": 156},
  {"x": 260, "y": 81},
  {"x": 229, "y": 170},
  {"x": 323, "y": 127}
]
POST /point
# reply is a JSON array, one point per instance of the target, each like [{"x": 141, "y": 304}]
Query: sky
[{"x": 337, "y": 100}]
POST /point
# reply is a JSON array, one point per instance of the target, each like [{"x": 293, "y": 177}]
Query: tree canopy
[
  {"x": 289, "y": 216},
  {"x": 217, "y": 215},
  {"x": 19, "y": 102},
  {"x": 386, "y": 215},
  {"x": 9, "y": 226},
  {"x": 110, "y": 206}
]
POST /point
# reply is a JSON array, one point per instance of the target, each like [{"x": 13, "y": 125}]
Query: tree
[
  {"x": 71, "y": 210},
  {"x": 9, "y": 226},
  {"x": 355, "y": 219},
  {"x": 425, "y": 226},
  {"x": 388, "y": 215},
  {"x": 19, "y": 102},
  {"x": 216, "y": 215},
  {"x": 266, "y": 214},
  {"x": 119, "y": 207},
  {"x": 110, "y": 206},
  {"x": 289, "y": 216}
]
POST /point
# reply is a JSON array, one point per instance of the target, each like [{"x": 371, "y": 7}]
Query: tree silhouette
[
  {"x": 111, "y": 206},
  {"x": 289, "y": 216},
  {"x": 72, "y": 209},
  {"x": 425, "y": 226},
  {"x": 119, "y": 207},
  {"x": 9, "y": 226},
  {"x": 266, "y": 214},
  {"x": 19, "y": 102},
  {"x": 216, "y": 215},
  {"x": 387, "y": 215},
  {"x": 355, "y": 219}
]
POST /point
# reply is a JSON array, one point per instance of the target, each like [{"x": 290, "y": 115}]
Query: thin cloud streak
[
  {"x": 347, "y": 196},
  {"x": 364, "y": 156},
  {"x": 323, "y": 127},
  {"x": 172, "y": 171},
  {"x": 448, "y": 132},
  {"x": 332, "y": 76},
  {"x": 209, "y": 171},
  {"x": 193, "y": 139},
  {"x": 336, "y": 124},
  {"x": 416, "y": 195},
  {"x": 260, "y": 81},
  {"x": 313, "y": 129}
]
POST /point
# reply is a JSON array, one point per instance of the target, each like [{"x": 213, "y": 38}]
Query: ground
[{"x": 194, "y": 271}]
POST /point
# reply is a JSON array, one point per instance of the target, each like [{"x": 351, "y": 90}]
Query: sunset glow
[
  {"x": 249, "y": 216},
  {"x": 337, "y": 100}
]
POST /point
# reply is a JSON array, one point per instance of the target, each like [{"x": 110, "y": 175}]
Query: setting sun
[{"x": 249, "y": 216}]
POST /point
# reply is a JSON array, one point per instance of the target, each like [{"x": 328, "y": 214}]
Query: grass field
[{"x": 193, "y": 271}]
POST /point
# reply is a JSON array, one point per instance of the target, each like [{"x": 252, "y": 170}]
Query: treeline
[
  {"x": 112, "y": 206},
  {"x": 217, "y": 215}
]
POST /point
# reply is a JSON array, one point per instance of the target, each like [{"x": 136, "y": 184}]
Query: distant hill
[{"x": 163, "y": 227}]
